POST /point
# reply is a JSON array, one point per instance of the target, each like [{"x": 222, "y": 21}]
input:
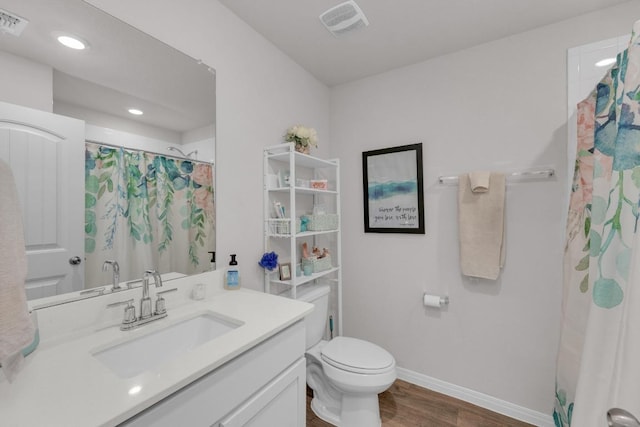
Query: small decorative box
[{"x": 319, "y": 184}]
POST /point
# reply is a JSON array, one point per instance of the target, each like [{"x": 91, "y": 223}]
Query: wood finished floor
[{"x": 405, "y": 404}]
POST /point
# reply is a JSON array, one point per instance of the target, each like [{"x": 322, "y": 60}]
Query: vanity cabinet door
[{"x": 280, "y": 403}]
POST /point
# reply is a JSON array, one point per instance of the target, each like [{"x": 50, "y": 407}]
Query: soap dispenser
[
  {"x": 213, "y": 261},
  {"x": 232, "y": 276}
]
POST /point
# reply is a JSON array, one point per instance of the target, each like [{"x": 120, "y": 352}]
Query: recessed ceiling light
[
  {"x": 72, "y": 42},
  {"x": 136, "y": 112},
  {"x": 605, "y": 62}
]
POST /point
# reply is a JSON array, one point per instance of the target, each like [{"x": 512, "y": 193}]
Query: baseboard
[{"x": 483, "y": 400}]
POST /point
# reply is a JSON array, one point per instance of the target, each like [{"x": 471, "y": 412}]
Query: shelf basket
[
  {"x": 279, "y": 226},
  {"x": 322, "y": 222},
  {"x": 318, "y": 264}
]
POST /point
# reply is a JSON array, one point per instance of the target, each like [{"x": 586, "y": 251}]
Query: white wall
[
  {"x": 120, "y": 131},
  {"x": 499, "y": 106},
  {"x": 203, "y": 140},
  {"x": 126, "y": 139},
  {"x": 27, "y": 83},
  {"x": 205, "y": 149},
  {"x": 260, "y": 92},
  {"x": 98, "y": 118}
]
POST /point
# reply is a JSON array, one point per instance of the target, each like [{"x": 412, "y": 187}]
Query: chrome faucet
[
  {"x": 145, "y": 302},
  {"x": 130, "y": 321},
  {"x": 116, "y": 273}
]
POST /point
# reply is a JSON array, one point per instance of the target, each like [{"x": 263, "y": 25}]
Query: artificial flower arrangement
[
  {"x": 303, "y": 137},
  {"x": 269, "y": 261}
]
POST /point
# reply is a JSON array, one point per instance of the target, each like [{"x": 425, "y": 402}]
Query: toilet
[{"x": 345, "y": 374}]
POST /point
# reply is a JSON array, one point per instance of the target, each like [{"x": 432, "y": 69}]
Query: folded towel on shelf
[
  {"x": 479, "y": 181},
  {"x": 481, "y": 227},
  {"x": 16, "y": 328}
]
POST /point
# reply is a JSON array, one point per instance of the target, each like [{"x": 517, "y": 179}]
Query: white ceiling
[{"x": 401, "y": 32}]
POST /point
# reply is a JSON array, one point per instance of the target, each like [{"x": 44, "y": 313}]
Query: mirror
[{"x": 174, "y": 140}]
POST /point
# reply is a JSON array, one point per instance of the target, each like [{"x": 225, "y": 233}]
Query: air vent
[
  {"x": 344, "y": 18},
  {"x": 11, "y": 23}
]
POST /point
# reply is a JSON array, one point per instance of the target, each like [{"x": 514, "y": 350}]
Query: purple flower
[{"x": 269, "y": 261}]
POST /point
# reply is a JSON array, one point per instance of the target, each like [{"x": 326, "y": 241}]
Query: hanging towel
[
  {"x": 481, "y": 227},
  {"x": 479, "y": 181},
  {"x": 16, "y": 329}
]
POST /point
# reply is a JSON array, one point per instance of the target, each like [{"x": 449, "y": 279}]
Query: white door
[{"x": 46, "y": 155}]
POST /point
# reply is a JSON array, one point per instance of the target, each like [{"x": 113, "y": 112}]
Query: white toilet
[{"x": 346, "y": 374}]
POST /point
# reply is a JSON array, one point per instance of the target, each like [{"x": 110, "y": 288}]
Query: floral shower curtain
[
  {"x": 598, "y": 365},
  {"x": 146, "y": 211}
]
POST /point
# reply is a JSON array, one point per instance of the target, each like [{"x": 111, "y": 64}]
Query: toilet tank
[{"x": 316, "y": 321}]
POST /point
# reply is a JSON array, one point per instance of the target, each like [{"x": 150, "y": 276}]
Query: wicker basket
[
  {"x": 279, "y": 226},
  {"x": 318, "y": 264},
  {"x": 322, "y": 222}
]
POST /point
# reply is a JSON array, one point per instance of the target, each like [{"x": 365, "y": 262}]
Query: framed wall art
[{"x": 393, "y": 190}]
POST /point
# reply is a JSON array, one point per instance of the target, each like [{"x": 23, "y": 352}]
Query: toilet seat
[{"x": 357, "y": 356}]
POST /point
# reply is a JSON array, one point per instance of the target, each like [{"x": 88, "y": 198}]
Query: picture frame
[
  {"x": 393, "y": 191},
  {"x": 285, "y": 271}
]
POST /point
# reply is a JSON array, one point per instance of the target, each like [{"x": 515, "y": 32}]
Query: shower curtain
[
  {"x": 598, "y": 364},
  {"x": 146, "y": 211}
]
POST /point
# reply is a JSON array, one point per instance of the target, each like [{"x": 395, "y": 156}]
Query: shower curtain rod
[
  {"x": 147, "y": 151},
  {"x": 528, "y": 174}
]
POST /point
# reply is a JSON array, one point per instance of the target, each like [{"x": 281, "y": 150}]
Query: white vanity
[{"x": 234, "y": 358}]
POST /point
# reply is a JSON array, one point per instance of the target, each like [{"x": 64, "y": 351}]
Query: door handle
[{"x": 75, "y": 260}]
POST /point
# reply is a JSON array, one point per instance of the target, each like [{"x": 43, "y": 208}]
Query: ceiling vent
[
  {"x": 344, "y": 18},
  {"x": 11, "y": 23}
]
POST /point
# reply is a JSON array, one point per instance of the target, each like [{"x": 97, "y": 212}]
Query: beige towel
[
  {"x": 481, "y": 227},
  {"x": 16, "y": 329},
  {"x": 479, "y": 181}
]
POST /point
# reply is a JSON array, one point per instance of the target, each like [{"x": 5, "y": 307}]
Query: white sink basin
[{"x": 146, "y": 352}]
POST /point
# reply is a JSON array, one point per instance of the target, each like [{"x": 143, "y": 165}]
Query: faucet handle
[
  {"x": 160, "y": 305},
  {"x": 129, "y": 311}
]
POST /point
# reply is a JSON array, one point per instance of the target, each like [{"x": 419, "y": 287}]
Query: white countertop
[{"x": 62, "y": 384}]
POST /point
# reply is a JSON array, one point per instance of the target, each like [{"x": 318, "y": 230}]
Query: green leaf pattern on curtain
[
  {"x": 601, "y": 227},
  {"x": 615, "y": 190},
  {"x": 161, "y": 200}
]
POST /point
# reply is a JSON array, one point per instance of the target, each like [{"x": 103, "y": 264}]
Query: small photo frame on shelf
[{"x": 285, "y": 271}]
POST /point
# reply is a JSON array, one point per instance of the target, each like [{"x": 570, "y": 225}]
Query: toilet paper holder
[{"x": 434, "y": 300}]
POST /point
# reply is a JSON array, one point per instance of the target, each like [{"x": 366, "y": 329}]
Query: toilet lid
[{"x": 354, "y": 355}]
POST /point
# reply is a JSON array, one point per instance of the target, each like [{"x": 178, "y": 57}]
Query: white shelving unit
[{"x": 287, "y": 174}]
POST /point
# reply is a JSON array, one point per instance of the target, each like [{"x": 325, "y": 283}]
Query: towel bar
[{"x": 528, "y": 174}]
